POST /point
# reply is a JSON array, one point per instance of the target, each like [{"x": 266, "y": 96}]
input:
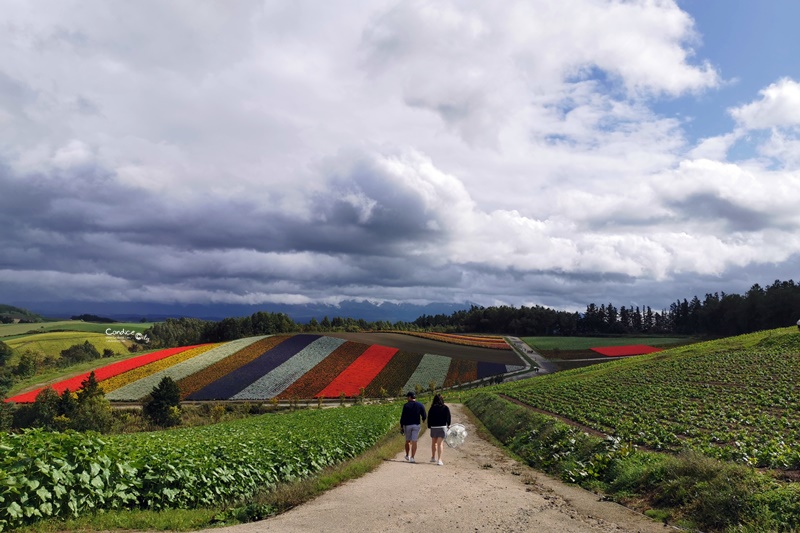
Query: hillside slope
[{"x": 733, "y": 399}]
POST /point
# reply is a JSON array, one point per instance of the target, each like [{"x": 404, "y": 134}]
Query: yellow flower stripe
[{"x": 136, "y": 374}]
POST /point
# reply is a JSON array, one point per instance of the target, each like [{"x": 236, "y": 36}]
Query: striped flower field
[{"x": 284, "y": 367}]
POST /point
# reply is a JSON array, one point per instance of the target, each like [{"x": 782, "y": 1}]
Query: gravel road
[{"x": 478, "y": 489}]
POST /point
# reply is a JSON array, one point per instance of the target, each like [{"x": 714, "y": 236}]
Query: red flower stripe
[
  {"x": 360, "y": 373},
  {"x": 126, "y": 378},
  {"x": 394, "y": 375},
  {"x": 102, "y": 373},
  {"x": 621, "y": 351},
  {"x": 319, "y": 377}
]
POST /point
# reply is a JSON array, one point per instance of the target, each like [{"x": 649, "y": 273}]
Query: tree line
[{"x": 717, "y": 314}]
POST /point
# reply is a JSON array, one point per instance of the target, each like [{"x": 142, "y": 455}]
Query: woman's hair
[{"x": 438, "y": 400}]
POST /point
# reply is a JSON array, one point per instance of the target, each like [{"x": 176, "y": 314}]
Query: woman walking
[{"x": 438, "y": 422}]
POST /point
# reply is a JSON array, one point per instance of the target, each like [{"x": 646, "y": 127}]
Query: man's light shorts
[{"x": 412, "y": 432}]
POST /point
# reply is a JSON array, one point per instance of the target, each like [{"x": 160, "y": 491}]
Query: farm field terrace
[
  {"x": 285, "y": 367},
  {"x": 12, "y": 330},
  {"x": 576, "y": 352},
  {"x": 52, "y": 343},
  {"x": 61, "y": 474},
  {"x": 733, "y": 399}
]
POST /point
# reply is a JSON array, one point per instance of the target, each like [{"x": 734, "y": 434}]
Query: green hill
[
  {"x": 733, "y": 399},
  {"x": 10, "y": 313},
  {"x": 703, "y": 436}
]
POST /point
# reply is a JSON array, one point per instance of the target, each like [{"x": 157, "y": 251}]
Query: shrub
[
  {"x": 93, "y": 414},
  {"x": 78, "y": 353}
]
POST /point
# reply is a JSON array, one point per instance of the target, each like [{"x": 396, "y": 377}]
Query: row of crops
[
  {"x": 494, "y": 342},
  {"x": 284, "y": 367},
  {"x": 737, "y": 399},
  {"x": 69, "y": 474}
]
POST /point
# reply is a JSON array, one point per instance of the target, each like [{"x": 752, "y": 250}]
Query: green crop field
[
  {"x": 734, "y": 399},
  {"x": 71, "y": 474},
  {"x": 8, "y": 331},
  {"x": 584, "y": 343},
  {"x": 51, "y": 344}
]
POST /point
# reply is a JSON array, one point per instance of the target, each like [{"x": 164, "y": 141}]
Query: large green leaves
[{"x": 59, "y": 474}]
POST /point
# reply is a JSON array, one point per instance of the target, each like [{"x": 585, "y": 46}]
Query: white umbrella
[{"x": 456, "y": 435}]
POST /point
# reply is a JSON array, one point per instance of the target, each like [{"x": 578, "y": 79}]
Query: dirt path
[{"x": 478, "y": 489}]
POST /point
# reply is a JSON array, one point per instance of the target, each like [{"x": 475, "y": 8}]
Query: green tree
[
  {"x": 90, "y": 388},
  {"x": 5, "y": 353},
  {"x": 67, "y": 404},
  {"x": 93, "y": 414},
  {"x": 6, "y": 415},
  {"x": 78, "y": 353},
  {"x": 27, "y": 366},
  {"x": 163, "y": 405},
  {"x": 45, "y": 408}
]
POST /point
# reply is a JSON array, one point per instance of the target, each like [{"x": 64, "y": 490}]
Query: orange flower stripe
[
  {"x": 136, "y": 374},
  {"x": 493, "y": 342}
]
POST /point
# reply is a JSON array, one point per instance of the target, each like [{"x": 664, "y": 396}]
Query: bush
[
  {"x": 78, "y": 353},
  {"x": 93, "y": 414}
]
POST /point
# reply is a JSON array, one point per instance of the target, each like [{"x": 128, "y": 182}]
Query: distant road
[{"x": 545, "y": 366}]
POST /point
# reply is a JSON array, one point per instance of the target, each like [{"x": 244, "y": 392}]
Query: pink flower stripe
[
  {"x": 102, "y": 373},
  {"x": 360, "y": 373}
]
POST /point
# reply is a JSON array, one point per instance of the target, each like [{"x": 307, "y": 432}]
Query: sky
[{"x": 517, "y": 153}]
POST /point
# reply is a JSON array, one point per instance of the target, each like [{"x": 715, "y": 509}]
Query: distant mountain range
[{"x": 134, "y": 311}]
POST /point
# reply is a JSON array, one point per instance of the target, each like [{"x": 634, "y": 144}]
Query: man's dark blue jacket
[{"x": 412, "y": 412}]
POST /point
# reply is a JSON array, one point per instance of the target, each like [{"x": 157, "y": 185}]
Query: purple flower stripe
[
  {"x": 283, "y": 376},
  {"x": 490, "y": 369},
  {"x": 245, "y": 375}
]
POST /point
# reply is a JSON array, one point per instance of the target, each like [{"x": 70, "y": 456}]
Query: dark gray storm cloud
[{"x": 403, "y": 151}]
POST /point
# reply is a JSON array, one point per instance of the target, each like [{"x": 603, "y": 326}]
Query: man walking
[{"x": 410, "y": 420}]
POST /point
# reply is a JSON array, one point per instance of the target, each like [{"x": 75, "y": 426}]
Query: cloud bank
[{"x": 260, "y": 152}]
